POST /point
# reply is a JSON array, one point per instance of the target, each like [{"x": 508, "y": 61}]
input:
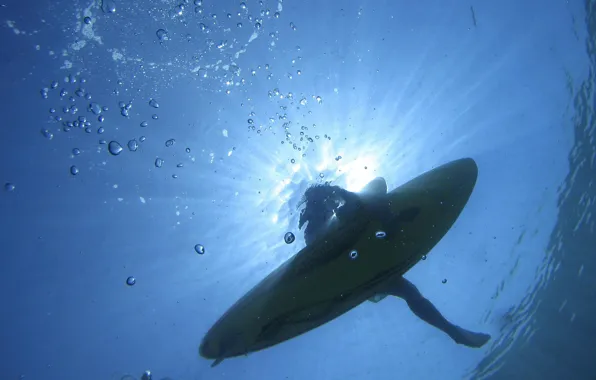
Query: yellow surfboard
[{"x": 346, "y": 267}]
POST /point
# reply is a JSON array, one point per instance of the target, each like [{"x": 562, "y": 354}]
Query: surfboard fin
[{"x": 216, "y": 362}]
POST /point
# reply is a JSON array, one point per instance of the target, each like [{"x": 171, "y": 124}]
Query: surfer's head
[{"x": 320, "y": 204}]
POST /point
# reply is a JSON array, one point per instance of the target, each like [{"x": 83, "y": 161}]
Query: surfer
[{"x": 326, "y": 204}]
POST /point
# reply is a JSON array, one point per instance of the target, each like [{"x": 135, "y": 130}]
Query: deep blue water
[{"x": 222, "y": 155}]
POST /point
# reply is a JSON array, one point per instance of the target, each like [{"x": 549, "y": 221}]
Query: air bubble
[
  {"x": 114, "y": 148},
  {"x": 380, "y": 234},
  {"x": 130, "y": 281},
  {"x": 47, "y": 134},
  {"x": 95, "y": 108},
  {"x": 133, "y": 145},
  {"x": 200, "y": 249},
  {"x": 9, "y": 186},
  {"x": 74, "y": 170},
  {"x": 158, "y": 162},
  {"x": 153, "y": 103},
  {"x": 170, "y": 142},
  {"x": 353, "y": 255},
  {"x": 108, "y": 6},
  {"x": 289, "y": 238}
]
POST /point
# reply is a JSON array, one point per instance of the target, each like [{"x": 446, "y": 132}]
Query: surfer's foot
[{"x": 470, "y": 338}]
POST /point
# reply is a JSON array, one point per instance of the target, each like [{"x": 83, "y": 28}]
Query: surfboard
[{"x": 345, "y": 267}]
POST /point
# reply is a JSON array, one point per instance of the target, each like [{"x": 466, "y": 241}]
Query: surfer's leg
[{"x": 425, "y": 310}]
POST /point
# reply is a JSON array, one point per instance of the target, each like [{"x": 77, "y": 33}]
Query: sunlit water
[{"x": 156, "y": 152}]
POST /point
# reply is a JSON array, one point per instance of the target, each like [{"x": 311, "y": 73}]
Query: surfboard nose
[
  {"x": 456, "y": 179},
  {"x": 453, "y": 183},
  {"x": 455, "y": 176},
  {"x": 209, "y": 347},
  {"x": 463, "y": 171},
  {"x": 225, "y": 338},
  {"x": 467, "y": 165},
  {"x": 449, "y": 184}
]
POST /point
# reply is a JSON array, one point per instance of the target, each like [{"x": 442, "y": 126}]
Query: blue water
[{"x": 214, "y": 104}]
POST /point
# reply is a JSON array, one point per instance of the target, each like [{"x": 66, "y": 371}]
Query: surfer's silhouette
[{"x": 326, "y": 204}]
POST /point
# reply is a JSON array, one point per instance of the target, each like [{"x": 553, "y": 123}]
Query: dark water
[{"x": 561, "y": 306}]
